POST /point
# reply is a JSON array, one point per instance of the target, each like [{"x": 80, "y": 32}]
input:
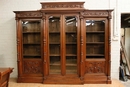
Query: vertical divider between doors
[
  {"x": 83, "y": 48},
  {"x": 46, "y": 47},
  {"x": 63, "y": 47}
]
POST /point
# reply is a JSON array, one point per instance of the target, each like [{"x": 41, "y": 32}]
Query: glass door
[
  {"x": 31, "y": 47},
  {"x": 95, "y": 39},
  {"x": 96, "y": 50},
  {"x": 31, "y": 39},
  {"x": 71, "y": 44},
  {"x": 62, "y": 44},
  {"x": 54, "y": 45}
]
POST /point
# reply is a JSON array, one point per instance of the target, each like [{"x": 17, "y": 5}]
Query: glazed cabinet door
[
  {"x": 96, "y": 45},
  {"x": 54, "y": 40},
  {"x": 31, "y": 47},
  {"x": 96, "y": 34},
  {"x": 63, "y": 44},
  {"x": 70, "y": 44}
]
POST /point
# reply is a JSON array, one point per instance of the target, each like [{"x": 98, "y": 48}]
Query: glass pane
[
  {"x": 31, "y": 39},
  {"x": 95, "y": 39},
  {"x": 95, "y": 51},
  {"x": 71, "y": 44},
  {"x": 55, "y": 67},
  {"x": 31, "y": 26},
  {"x": 95, "y": 25},
  {"x": 54, "y": 44}
]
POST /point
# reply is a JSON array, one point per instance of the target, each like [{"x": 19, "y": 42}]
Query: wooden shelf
[
  {"x": 95, "y": 43},
  {"x": 31, "y": 44},
  {"x": 54, "y": 32},
  {"x": 31, "y": 55},
  {"x": 54, "y": 54},
  {"x": 96, "y": 32},
  {"x": 95, "y": 55},
  {"x": 71, "y": 62},
  {"x": 31, "y": 32},
  {"x": 70, "y": 32},
  {"x": 66, "y": 55},
  {"x": 54, "y": 42},
  {"x": 71, "y": 55},
  {"x": 71, "y": 42}
]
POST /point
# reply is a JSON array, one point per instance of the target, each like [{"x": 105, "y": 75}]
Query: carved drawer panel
[
  {"x": 32, "y": 66},
  {"x": 95, "y": 67}
]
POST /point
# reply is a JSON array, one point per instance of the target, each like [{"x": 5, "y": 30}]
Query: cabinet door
[
  {"x": 70, "y": 42},
  {"x": 31, "y": 46},
  {"x": 63, "y": 44},
  {"x": 55, "y": 44},
  {"x": 96, "y": 45}
]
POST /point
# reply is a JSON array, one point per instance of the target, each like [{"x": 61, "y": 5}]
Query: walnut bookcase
[{"x": 63, "y": 43}]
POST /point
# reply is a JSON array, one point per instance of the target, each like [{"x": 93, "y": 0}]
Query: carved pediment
[{"x": 62, "y": 5}]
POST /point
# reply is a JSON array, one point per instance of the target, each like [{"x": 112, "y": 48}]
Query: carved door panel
[
  {"x": 95, "y": 66},
  {"x": 96, "y": 48}
]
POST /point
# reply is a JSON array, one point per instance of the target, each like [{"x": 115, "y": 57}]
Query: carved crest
[{"x": 62, "y": 5}]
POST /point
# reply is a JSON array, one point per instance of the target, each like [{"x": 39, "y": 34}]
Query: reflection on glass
[
  {"x": 71, "y": 44},
  {"x": 95, "y": 25},
  {"x": 31, "y": 39},
  {"x": 54, "y": 45}
]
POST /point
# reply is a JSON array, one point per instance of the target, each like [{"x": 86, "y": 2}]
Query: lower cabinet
[{"x": 63, "y": 43}]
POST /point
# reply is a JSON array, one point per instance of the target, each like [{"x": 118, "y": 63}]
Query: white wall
[{"x": 8, "y": 53}]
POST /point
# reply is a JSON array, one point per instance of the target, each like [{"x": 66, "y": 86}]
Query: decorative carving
[
  {"x": 18, "y": 55},
  {"x": 43, "y": 16},
  {"x": 109, "y": 40},
  {"x": 81, "y": 40},
  {"x": 62, "y": 6},
  {"x": 109, "y": 77},
  {"x": 95, "y": 67},
  {"x": 32, "y": 67},
  {"x": 29, "y": 14},
  {"x": 109, "y": 15},
  {"x": 94, "y": 13},
  {"x": 81, "y": 15},
  {"x": 18, "y": 41}
]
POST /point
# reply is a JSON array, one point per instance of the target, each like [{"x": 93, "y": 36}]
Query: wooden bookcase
[{"x": 63, "y": 43}]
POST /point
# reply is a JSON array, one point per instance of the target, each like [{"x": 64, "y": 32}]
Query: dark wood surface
[
  {"x": 63, "y": 43},
  {"x": 4, "y": 76}
]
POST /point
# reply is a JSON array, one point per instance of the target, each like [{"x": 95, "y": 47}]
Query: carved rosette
[
  {"x": 32, "y": 67},
  {"x": 95, "y": 67}
]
